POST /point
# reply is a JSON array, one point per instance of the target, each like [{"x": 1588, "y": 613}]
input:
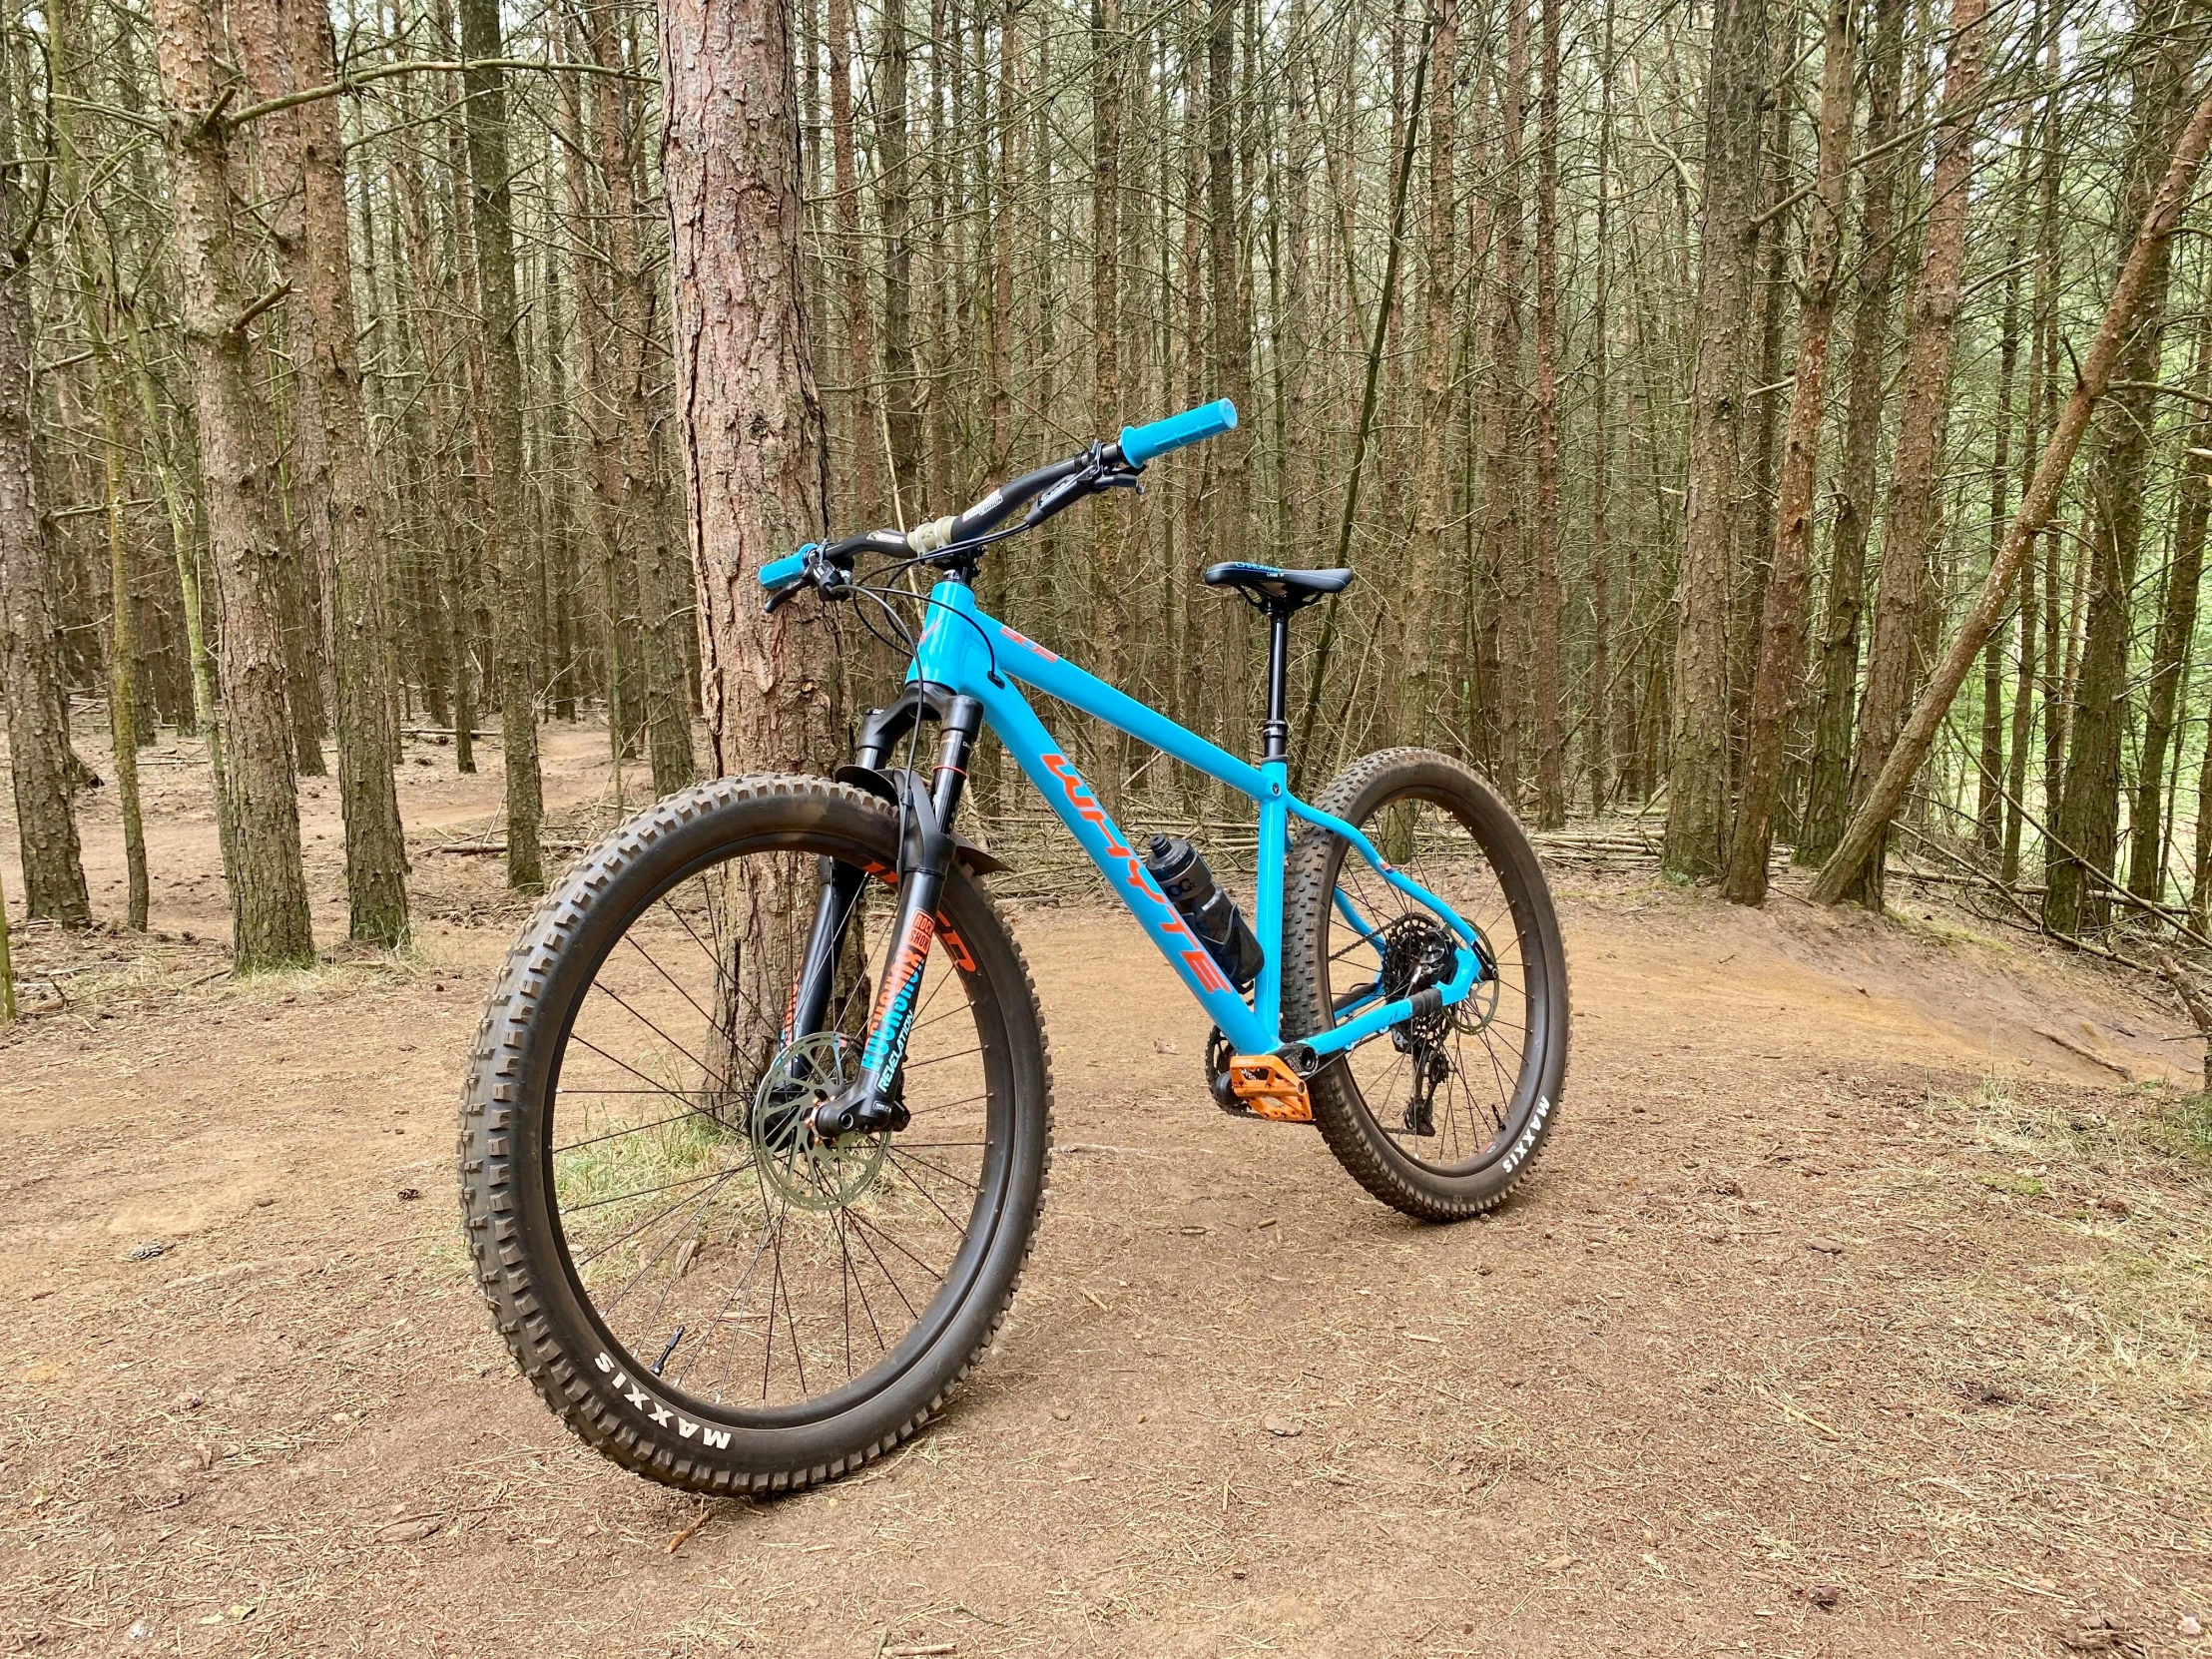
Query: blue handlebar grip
[
  {"x": 1140, "y": 443},
  {"x": 782, "y": 572}
]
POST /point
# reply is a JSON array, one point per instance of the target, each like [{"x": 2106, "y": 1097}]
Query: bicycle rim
[{"x": 768, "y": 1279}]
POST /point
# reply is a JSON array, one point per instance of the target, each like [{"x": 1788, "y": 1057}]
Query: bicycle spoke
[
  {"x": 1477, "y": 1082},
  {"x": 713, "y": 1234}
]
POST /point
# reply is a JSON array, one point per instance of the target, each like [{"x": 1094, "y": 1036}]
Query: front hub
[{"x": 801, "y": 1165}]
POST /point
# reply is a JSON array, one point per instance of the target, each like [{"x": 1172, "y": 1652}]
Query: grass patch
[
  {"x": 2184, "y": 1128},
  {"x": 2110, "y": 1301}
]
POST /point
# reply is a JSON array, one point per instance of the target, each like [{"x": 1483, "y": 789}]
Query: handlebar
[
  {"x": 1140, "y": 444},
  {"x": 1051, "y": 489}
]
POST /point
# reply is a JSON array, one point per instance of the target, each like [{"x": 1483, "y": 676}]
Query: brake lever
[
  {"x": 1057, "y": 496},
  {"x": 830, "y": 577}
]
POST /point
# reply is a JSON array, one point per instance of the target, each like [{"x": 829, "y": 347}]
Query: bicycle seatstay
[{"x": 967, "y": 652}]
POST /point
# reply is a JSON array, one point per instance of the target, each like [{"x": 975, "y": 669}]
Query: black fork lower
[{"x": 926, "y": 850}]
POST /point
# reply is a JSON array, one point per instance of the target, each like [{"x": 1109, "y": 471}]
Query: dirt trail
[{"x": 1847, "y": 1314}]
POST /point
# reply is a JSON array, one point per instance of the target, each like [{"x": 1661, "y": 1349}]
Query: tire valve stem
[{"x": 666, "y": 1351}]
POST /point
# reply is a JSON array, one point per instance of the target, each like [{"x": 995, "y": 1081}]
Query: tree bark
[
  {"x": 2045, "y": 305},
  {"x": 93, "y": 273},
  {"x": 269, "y": 898},
  {"x": 1600, "y": 739},
  {"x": 751, "y": 423},
  {"x": 1496, "y": 741},
  {"x": 1827, "y": 789},
  {"x": 259, "y": 33},
  {"x": 1862, "y": 837},
  {"x": 499, "y": 424},
  {"x": 640, "y": 517},
  {"x": 1431, "y": 545},
  {"x": 1910, "y": 529},
  {"x": 40, "y": 759},
  {"x": 1990, "y": 784},
  {"x": 2086, "y": 818},
  {"x": 1783, "y": 619},
  {"x": 1230, "y": 354},
  {"x": 859, "y": 316},
  {"x": 1109, "y": 602},
  {"x": 2177, "y": 625},
  {"x": 340, "y": 499},
  {"x": 1698, "y": 776},
  {"x": 449, "y": 553},
  {"x": 894, "y": 198},
  {"x": 1551, "y": 744}
]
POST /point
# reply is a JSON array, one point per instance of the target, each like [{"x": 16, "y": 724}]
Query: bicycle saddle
[{"x": 1280, "y": 587}]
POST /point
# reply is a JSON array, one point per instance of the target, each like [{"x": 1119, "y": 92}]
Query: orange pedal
[{"x": 1270, "y": 1089}]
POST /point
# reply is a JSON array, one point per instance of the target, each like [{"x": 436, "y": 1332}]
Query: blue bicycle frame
[{"x": 965, "y": 652}]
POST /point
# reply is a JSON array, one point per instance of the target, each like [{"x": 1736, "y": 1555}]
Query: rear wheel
[
  {"x": 701, "y": 1289},
  {"x": 1439, "y": 1115}
]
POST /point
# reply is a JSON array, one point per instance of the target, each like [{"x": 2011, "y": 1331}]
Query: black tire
[
  {"x": 1463, "y": 843},
  {"x": 518, "y": 1223}
]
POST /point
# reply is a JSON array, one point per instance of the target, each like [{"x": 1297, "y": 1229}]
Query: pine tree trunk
[
  {"x": 893, "y": 198},
  {"x": 753, "y": 433},
  {"x": 1229, "y": 353},
  {"x": 2046, "y": 278},
  {"x": 641, "y": 520},
  {"x": 96, "y": 296},
  {"x": 2035, "y": 410},
  {"x": 2146, "y": 876},
  {"x": 269, "y": 898},
  {"x": 1698, "y": 776},
  {"x": 1431, "y": 550},
  {"x": 40, "y": 760},
  {"x": 1751, "y": 543},
  {"x": 2181, "y": 610},
  {"x": 1828, "y": 787},
  {"x": 859, "y": 316},
  {"x": 1783, "y": 619},
  {"x": 499, "y": 415},
  {"x": 1910, "y": 526},
  {"x": 1600, "y": 739},
  {"x": 2086, "y": 819},
  {"x": 1496, "y": 740},
  {"x": 1109, "y": 603},
  {"x": 1989, "y": 781},
  {"x": 1551, "y": 743},
  {"x": 319, "y": 266},
  {"x": 123, "y": 712}
]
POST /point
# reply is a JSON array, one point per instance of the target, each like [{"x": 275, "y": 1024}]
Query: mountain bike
[{"x": 757, "y": 1118}]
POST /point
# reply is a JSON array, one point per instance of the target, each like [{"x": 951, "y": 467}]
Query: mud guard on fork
[{"x": 908, "y": 790}]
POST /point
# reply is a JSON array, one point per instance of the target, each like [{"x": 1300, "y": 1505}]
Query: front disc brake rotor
[{"x": 798, "y": 1165}]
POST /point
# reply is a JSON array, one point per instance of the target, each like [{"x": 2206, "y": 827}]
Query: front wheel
[
  {"x": 698, "y": 1286},
  {"x": 1442, "y": 1114}
]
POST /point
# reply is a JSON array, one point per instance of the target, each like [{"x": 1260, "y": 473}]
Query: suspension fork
[{"x": 926, "y": 850}]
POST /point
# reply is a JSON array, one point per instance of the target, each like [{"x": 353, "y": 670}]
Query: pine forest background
[{"x": 1671, "y": 371}]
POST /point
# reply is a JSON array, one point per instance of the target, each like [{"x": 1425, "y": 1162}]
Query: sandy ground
[{"x": 1851, "y": 1312}]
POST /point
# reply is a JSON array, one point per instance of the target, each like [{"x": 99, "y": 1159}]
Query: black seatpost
[{"x": 1275, "y": 731}]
